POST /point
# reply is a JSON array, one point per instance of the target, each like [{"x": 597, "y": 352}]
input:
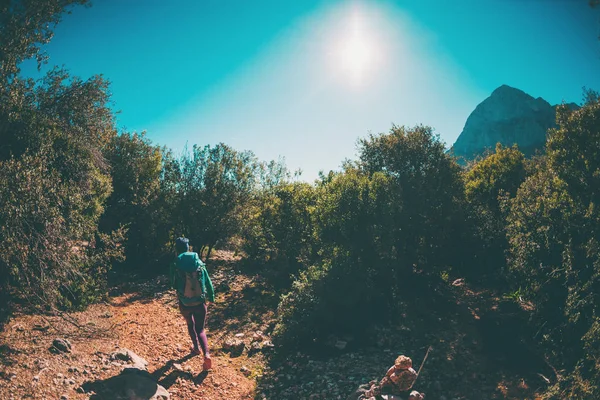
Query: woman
[{"x": 194, "y": 289}]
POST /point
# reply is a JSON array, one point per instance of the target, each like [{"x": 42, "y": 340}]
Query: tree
[
  {"x": 488, "y": 183},
  {"x": 355, "y": 272},
  {"x": 215, "y": 182},
  {"x": 54, "y": 177},
  {"x": 429, "y": 230},
  {"x": 136, "y": 167},
  {"x": 395, "y": 212},
  {"x": 573, "y": 151},
  {"x": 25, "y": 26},
  {"x": 279, "y": 226},
  {"x": 59, "y": 128},
  {"x": 553, "y": 229}
]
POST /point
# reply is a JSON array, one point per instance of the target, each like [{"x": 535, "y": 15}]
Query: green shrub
[
  {"x": 489, "y": 183},
  {"x": 279, "y": 226},
  {"x": 135, "y": 202},
  {"x": 396, "y": 212},
  {"x": 553, "y": 229}
]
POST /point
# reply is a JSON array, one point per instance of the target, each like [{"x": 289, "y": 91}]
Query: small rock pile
[
  {"x": 236, "y": 345},
  {"x": 260, "y": 342}
]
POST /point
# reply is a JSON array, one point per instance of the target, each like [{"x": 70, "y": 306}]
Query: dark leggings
[{"x": 195, "y": 317}]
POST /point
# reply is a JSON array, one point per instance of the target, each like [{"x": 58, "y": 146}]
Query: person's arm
[
  {"x": 206, "y": 282},
  {"x": 391, "y": 371},
  {"x": 210, "y": 291}
]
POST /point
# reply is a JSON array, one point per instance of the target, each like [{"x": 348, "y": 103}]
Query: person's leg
[
  {"x": 199, "y": 321},
  {"x": 191, "y": 326}
]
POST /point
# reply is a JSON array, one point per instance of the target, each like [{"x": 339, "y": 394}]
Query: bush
[
  {"x": 489, "y": 183},
  {"x": 278, "y": 227},
  {"x": 43, "y": 250},
  {"x": 54, "y": 179},
  {"x": 395, "y": 212},
  {"x": 553, "y": 229},
  {"x": 429, "y": 231},
  {"x": 136, "y": 169}
]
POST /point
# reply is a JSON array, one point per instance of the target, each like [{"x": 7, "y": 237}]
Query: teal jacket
[{"x": 189, "y": 261}]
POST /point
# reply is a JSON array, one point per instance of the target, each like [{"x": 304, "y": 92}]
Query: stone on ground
[
  {"x": 235, "y": 346},
  {"x": 130, "y": 357},
  {"x": 61, "y": 345}
]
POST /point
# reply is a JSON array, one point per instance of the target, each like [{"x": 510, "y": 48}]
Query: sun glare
[
  {"x": 355, "y": 56},
  {"x": 356, "y": 49}
]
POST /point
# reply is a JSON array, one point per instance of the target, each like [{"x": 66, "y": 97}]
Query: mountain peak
[
  {"x": 506, "y": 89},
  {"x": 509, "y": 91},
  {"x": 508, "y": 116}
]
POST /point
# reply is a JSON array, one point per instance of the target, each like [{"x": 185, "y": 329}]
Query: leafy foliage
[
  {"x": 428, "y": 231},
  {"x": 489, "y": 182},
  {"x": 351, "y": 276},
  {"x": 26, "y": 25},
  {"x": 136, "y": 166},
  {"x": 55, "y": 184},
  {"x": 279, "y": 226},
  {"x": 212, "y": 185},
  {"x": 554, "y": 228},
  {"x": 376, "y": 224},
  {"x": 54, "y": 179}
]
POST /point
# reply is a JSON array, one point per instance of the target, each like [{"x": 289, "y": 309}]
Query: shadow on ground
[
  {"x": 7, "y": 354},
  {"x": 131, "y": 383},
  {"x": 137, "y": 384},
  {"x": 167, "y": 375}
]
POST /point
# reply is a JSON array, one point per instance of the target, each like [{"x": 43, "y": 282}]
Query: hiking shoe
[
  {"x": 207, "y": 363},
  {"x": 195, "y": 351}
]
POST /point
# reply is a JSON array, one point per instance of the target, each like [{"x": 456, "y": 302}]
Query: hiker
[
  {"x": 194, "y": 289},
  {"x": 398, "y": 381}
]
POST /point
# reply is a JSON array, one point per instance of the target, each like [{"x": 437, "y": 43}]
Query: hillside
[{"x": 508, "y": 116}]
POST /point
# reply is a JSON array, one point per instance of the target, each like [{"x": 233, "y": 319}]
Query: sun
[
  {"x": 356, "y": 56},
  {"x": 356, "y": 50}
]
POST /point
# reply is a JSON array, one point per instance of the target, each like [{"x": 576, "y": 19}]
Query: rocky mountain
[{"x": 508, "y": 116}]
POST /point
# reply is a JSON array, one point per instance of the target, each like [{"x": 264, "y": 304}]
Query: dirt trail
[{"x": 145, "y": 320}]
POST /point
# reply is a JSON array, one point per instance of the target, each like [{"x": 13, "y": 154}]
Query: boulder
[
  {"x": 340, "y": 344},
  {"x": 60, "y": 345},
  {"x": 134, "y": 361},
  {"x": 264, "y": 346},
  {"x": 258, "y": 336},
  {"x": 359, "y": 394},
  {"x": 245, "y": 370},
  {"x": 414, "y": 395}
]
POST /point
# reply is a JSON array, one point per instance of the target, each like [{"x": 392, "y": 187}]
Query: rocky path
[{"x": 146, "y": 321}]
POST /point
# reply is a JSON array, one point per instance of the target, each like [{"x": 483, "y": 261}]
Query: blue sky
[{"x": 305, "y": 79}]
